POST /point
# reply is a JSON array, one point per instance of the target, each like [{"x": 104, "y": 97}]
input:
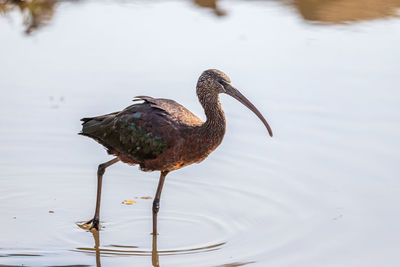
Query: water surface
[{"x": 323, "y": 192}]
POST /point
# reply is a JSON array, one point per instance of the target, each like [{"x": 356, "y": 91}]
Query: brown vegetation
[
  {"x": 341, "y": 11},
  {"x": 36, "y": 13}
]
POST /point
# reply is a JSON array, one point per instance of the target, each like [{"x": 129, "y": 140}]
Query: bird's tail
[{"x": 93, "y": 126}]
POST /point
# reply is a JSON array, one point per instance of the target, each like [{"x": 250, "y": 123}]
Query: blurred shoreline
[{"x": 38, "y": 13}]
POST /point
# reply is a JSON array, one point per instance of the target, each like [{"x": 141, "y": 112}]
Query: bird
[{"x": 161, "y": 135}]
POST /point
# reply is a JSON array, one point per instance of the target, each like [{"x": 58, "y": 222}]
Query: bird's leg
[
  {"x": 156, "y": 202},
  {"x": 100, "y": 171}
]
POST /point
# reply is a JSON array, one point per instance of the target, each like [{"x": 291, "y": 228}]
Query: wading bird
[{"x": 162, "y": 135}]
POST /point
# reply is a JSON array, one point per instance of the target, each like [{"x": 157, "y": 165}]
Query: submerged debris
[
  {"x": 146, "y": 197},
  {"x": 128, "y": 202}
]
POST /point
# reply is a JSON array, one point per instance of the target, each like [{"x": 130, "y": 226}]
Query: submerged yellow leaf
[{"x": 128, "y": 202}]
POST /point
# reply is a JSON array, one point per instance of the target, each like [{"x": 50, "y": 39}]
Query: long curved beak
[{"x": 233, "y": 92}]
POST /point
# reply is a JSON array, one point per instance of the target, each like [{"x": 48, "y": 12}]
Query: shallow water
[{"x": 323, "y": 192}]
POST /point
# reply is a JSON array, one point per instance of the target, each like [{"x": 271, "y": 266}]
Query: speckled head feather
[
  {"x": 214, "y": 74},
  {"x": 211, "y": 82}
]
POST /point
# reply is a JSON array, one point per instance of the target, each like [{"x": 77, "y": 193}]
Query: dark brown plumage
[{"x": 160, "y": 134}]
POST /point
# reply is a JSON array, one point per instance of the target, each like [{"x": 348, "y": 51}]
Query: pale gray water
[{"x": 325, "y": 191}]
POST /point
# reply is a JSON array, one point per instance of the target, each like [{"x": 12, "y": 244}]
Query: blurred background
[{"x": 324, "y": 191}]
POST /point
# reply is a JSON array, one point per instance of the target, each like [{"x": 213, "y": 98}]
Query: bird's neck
[{"x": 214, "y": 127}]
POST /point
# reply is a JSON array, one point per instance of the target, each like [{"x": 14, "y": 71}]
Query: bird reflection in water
[
  {"x": 154, "y": 253},
  {"x": 124, "y": 250},
  {"x": 96, "y": 248}
]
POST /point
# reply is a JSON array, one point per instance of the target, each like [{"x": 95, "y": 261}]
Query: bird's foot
[{"x": 93, "y": 224}]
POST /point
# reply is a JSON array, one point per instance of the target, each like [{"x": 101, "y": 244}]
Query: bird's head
[{"x": 214, "y": 82}]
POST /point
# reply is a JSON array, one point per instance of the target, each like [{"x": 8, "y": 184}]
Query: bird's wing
[
  {"x": 141, "y": 131},
  {"x": 178, "y": 112}
]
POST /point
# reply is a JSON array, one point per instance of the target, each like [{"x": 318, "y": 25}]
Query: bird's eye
[{"x": 222, "y": 83}]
